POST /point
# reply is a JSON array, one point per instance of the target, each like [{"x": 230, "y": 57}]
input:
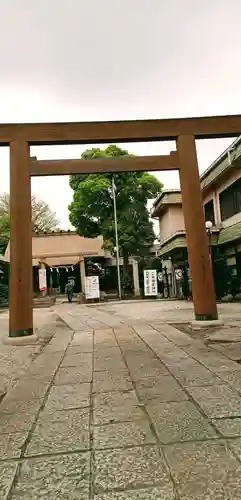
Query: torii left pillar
[{"x": 21, "y": 288}]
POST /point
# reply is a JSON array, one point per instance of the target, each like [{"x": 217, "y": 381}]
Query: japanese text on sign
[
  {"x": 150, "y": 282},
  {"x": 92, "y": 287},
  {"x": 42, "y": 280}
]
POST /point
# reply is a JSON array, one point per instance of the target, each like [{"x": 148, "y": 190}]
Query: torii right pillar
[{"x": 203, "y": 292}]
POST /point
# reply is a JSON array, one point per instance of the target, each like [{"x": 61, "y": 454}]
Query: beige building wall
[
  {"x": 171, "y": 222},
  {"x": 235, "y": 175},
  {"x": 214, "y": 194}
]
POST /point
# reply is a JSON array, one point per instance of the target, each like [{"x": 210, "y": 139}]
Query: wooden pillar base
[
  {"x": 21, "y": 333},
  {"x": 206, "y": 317},
  {"x": 199, "y": 325},
  {"x": 22, "y": 341}
]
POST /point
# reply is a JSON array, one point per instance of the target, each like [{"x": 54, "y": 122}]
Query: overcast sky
[{"x": 116, "y": 59}]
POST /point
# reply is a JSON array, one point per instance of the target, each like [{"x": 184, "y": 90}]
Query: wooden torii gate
[{"x": 183, "y": 130}]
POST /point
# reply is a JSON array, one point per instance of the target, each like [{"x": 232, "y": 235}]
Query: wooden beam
[
  {"x": 47, "y": 256},
  {"x": 209, "y": 127},
  {"x": 124, "y": 164}
]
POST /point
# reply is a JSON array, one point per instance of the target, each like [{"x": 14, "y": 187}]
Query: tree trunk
[{"x": 125, "y": 262}]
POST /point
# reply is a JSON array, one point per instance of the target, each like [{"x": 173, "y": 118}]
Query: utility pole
[{"x": 112, "y": 192}]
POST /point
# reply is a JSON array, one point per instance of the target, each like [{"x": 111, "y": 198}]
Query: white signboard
[
  {"x": 42, "y": 277},
  {"x": 92, "y": 287},
  {"x": 150, "y": 282}
]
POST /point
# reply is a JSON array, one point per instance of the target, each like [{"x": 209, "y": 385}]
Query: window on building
[
  {"x": 209, "y": 211},
  {"x": 230, "y": 200}
]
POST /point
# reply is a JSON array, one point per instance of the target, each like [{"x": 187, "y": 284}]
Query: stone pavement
[
  {"x": 14, "y": 361},
  {"x": 112, "y": 410}
]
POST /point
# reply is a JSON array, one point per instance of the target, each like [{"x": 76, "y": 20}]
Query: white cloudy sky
[{"x": 85, "y": 60}]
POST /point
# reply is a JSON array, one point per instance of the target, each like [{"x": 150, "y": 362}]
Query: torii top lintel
[{"x": 209, "y": 127}]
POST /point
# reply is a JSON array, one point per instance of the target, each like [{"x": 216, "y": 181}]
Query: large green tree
[
  {"x": 43, "y": 219},
  {"x": 91, "y": 211}
]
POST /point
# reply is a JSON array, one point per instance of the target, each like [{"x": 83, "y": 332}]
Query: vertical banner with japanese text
[{"x": 150, "y": 282}]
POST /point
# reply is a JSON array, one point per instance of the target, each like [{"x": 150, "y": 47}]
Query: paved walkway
[
  {"x": 14, "y": 361},
  {"x": 114, "y": 408}
]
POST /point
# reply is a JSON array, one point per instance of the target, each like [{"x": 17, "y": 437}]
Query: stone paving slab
[
  {"x": 102, "y": 364},
  {"x": 15, "y": 361},
  {"x": 73, "y": 375},
  {"x": 138, "y": 467},
  {"x": 105, "y": 382},
  {"x": 16, "y": 422},
  {"x": 60, "y": 432},
  {"x": 123, "y": 434},
  {"x": 224, "y": 334},
  {"x": 63, "y": 477},
  {"x": 146, "y": 370},
  {"x": 64, "y": 397},
  {"x": 78, "y": 359},
  {"x": 135, "y": 359},
  {"x": 135, "y": 344},
  {"x": 195, "y": 376},
  {"x": 122, "y": 413},
  {"x": 11, "y": 445},
  {"x": 80, "y": 338},
  {"x": 86, "y": 347},
  {"x": 14, "y": 407},
  {"x": 217, "y": 401},
  {"x": 228, "y": 427},
  {"x": 144, "y": 361},
  {"x": 105, "y": 345},
  {"x": 175, "y": 422},
  {"x": 235, "y": 446},
  {"x": 231, "y": 350},
  {"x": 171, "y": 333},
  {"x": 7, "y": 473},
  {"x": 214, "y": 362},
  {"x": 25, "y": 390},
  {"x": 231, "y": 377},
  {"x": 204, "y": 471},
  {"x": 160, "y": 388},
  {"x": 111, "y": 352},
  {"x": 116, "y": 407},
  {"x": 165, "y": 493}
]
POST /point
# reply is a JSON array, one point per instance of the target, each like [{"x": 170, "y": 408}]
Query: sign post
[
  {"x": 42, "y": 279},
  {"x": 150, "y": 283},
  {"x": 92, "y": 287}
]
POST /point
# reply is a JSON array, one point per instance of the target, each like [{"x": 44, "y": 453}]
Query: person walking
[{"x": 69, "y": 289}]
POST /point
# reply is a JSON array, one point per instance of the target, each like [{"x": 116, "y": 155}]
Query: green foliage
[
  {"x": 43, "y": 219},
  {"x": 127, "y": 285},
  {"x": 91, "y": 211},
  {"x": 4, "y": 233},
  {"x": 3, "y": 293}
]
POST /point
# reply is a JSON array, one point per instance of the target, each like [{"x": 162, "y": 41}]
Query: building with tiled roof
[
  {"x": 62, "y": 248},
  {"x": 64, "y": 254}
]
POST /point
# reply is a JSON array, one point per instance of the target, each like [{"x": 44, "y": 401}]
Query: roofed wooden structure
[{"x": 62, "y": 248}]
